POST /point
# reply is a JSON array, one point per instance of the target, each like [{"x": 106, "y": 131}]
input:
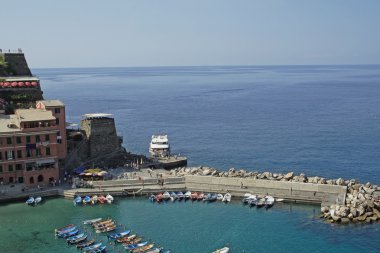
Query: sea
[{"x": 318, "y": 120}]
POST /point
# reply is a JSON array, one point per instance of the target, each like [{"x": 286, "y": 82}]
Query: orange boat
[
  {"x": 102, "y": 199},
  {"x": 200, "y": 196},
  {"x": 159, "y": 197},
  {"x": 194, "y": 196}
]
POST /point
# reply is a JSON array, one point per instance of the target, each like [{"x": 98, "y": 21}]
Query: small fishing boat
[
  {"x": 104, "y": 225},
  {"x": 200, "y": 196},
  {"x": 68, "y": 234},
  {"x": 219, "y": 197},
  {"x": 133, "y": 241},
  {"x": 118, "y": 235},
  {"x": 76, "y": 239},
  {"x": 166, "y": 196},
  {"x": 101, "y": 249},
  {"x": 92, "y": 247},
  {"x": 30, "y": 201},
  {"x": 135, "y": 246},
  {"x": 152, "y": 198},
  {"x": 187, "y": 195},
  {"x": 206, "y": 197},
  {"x": 227, "y": 197},
  {"x": 106, "y": 229},
  {"x": 269, "y": 201},
  {"x": 212, "y": 198},
  {"x": 85, "y": 244},
  {"x": 247, "y": 195},
  {"x": 102, "y": 222},
  {"x": 58, "y": 230},
  {"x": 173, "y": 196},
  {"x": 109, "y": 199},
  {"x": 94, "y": 199},
  {"x": 252, "y": 200},
  {"x": 180, "y": 196},
  {"x": 90, "y": 222},
  {"x": 77, "y": 200},
  {"x": 143, "y": 248},
  {"x": 194, "y": 196},
  {"x": 102, "y": 199},
  {"x": 159, "y": 197},
  {"x": 125, "y": 239},
  {"x": 37, "y": 200},
  {"x": 155, "y": 250},
  {"x": 86, "y": 200},
  {"x": 65, "y": 231},
  {"x": 222, "y": 250},
  {"x": 260, "y": 202}
]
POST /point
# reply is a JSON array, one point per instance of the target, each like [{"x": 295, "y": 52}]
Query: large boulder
[{"x": 289, "y": 176}]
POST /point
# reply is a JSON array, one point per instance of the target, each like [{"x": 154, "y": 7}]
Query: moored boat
[
  {"x": 187, "y": 195},
  {"x": 227, "y": 197},
  {"x": 118, "y": 235},
  {"x": 101, "y": 249},
  {"x": 37, "y": 200},
  {"x": 109, "y": 199},
  {"x": 155, "y": 250},
  {"x": 269, "y": 201},
  {"x": 135, "y": 246},
  {"x": 212, "y": 198},
  {"x": 200, "y": 196},
  {"x": 125, "y": 239},
  {"x": 102, "y": 199},
  {"x": 68, "y": 234},
  {"x": 77, "y": 200},
  {"x": 174, "y": 196},
  {"x": 92, "y": 221},
  {"x": 65, "y": 231},
  {"x": 143, "y": 248},
  {"x": 206, "y": 197},
  {"x": 219, "y": 197},
  {"x": 180, "y": 196},
  {"x": 106, "y": 229},
  {"x": 133, "y": 241},
  {"x": 92, "y": 247},
  {"x": 152, "y": 197},
  {"x": 58, "y": 230},
  {"x": 30, "y": 201},
  {"x": 166, "y": 196},
  {"x": 76, "y": 239},
  {"x": 194, "y": 196},
  {"x": 222, "y": 250},
  {"x": 94, "y": 199},
  {"x": 260, "y": 202},
  {"x": 85, "y": 244},
  {"x": 159, "y": 197},
  {"x": 86, "y": 199}
]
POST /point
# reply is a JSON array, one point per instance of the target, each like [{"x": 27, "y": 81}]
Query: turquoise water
[{"x": 186, "y": 227}]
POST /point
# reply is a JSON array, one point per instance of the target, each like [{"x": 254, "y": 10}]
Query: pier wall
[{"x": 289, "y": 191}]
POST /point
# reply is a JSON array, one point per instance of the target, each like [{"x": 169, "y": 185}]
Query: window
[
  {"x": 38, "y": 138},
  {"x": 19, "y": 166},
  {"x": 27, "y": 139},
  {"x": 18, "y": 139},
  {"x": 10, "y": 179},
  {"x": 21, "y": 180},
  {"x": 57, "y": 110},
  {"x": 1, "y": 155},
  {"x": 47, "y": 137},
  {"x": 1, "y": 168},
  {"x": 9, "y": 155},
  {"x": 19, "y": 154},
  {"x": 9, "y": 140},
  {"x": 57, "y": 121},
  {"x": 10, "y": 167},
  {"x": 28, "y": 153},
  {"x": 47, "y": 151}
]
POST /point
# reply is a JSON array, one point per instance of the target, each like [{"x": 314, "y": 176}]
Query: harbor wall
[{"x": 289, "y": 191}]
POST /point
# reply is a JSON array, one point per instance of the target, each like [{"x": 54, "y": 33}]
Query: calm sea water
[
  {"x": 322, "y": 120},
  {"x": 186, "y": 227}
]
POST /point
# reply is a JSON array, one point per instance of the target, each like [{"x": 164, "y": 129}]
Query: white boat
[
  {"x": 227, "y": 197},
  {"x": 219, "y": 197},
  {"x": 247, "y": 195},
  {"x": 94, "y": 199},
  {"x": 222, "y": 250},
  {"x": 188, "y": 195},
  {"x": 30, "y": 201},
  {"x": 159, "y": 146},
  {"x": 37, "y": 200},
  {"x": 109, "y": 199},
  {"x": 91, "y": 221},
  {"x": 166, "y": 195},
  {"x": 269, "y": 201}
]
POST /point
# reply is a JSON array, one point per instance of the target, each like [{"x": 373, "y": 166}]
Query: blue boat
[
  {"x": 212, "y": 197},
  {"x": 93, "y": 247},
  {"x": 180, "y": 195},
  {"x": 135, "y": 246},
  {"x": 152, "y": 198},
  {"x": 77, "y": 200},
  {"x": 86, "y": 199},
  {"x": 101, "y": 249},
  {"x": 207, "y": 197},
  {"x": 65, "y": 235},
  {"x": 66, "y": 230},
  {"x": 30, "y": 201},
  {"x": 77, "y": 239},
  {"x": 118, "y": 235},
  {"x": 74, "y": 237}
]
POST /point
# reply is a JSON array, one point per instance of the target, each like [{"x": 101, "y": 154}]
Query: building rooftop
[
  {"x": 26, "y": 115},
  {"x": 9, "y": 123},
  {"x": 51, "y": 103}
]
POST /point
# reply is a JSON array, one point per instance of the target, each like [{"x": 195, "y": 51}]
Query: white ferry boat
[{"x": 159, "y": 146}]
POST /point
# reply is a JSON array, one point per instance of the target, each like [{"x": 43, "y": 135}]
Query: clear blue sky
[{"x": 90, "y": 33}]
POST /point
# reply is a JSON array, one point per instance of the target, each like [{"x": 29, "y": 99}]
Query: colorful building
[{"x": 32, "y": 141}]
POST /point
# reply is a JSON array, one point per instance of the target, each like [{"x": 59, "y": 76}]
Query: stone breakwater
[{"x": 361, "y": 202}]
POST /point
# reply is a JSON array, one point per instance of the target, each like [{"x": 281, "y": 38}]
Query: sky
[{"x": 117, "y": 33}]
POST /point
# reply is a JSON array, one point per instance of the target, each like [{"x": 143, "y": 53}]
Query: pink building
[{"x": 31, "y": 143}]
